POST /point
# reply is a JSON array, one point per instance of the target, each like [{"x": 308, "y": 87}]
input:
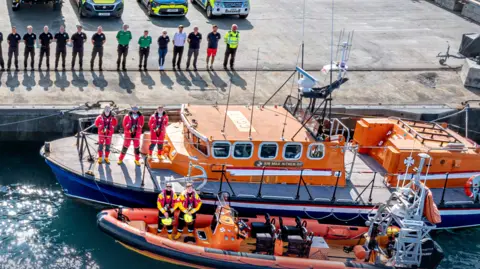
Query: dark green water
[{"x": 41, "y": 228}]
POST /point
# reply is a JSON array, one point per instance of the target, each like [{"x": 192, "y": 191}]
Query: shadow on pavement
[
  {"x": 45, "y": 82},
  {"x": 29, "y": 80},
  {"x": 124, "y": 82},
  {"x": 99, "y": 80},
  {"x": 217, "y": 80},
  {"x": 79, "y": 81},
  {"x": 12, "y": 80},
  {"x": 61, "y": 80},
  {"x": 182, "y": 80},
  {"x": 166, "y": 81},
  {"x": 147, "y": 79}
]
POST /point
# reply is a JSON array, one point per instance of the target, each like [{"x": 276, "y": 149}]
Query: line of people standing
[{"x": 79, "y": 38}]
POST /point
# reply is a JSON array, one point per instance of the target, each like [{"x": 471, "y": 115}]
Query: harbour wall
[{"x": 45, "y": 123}]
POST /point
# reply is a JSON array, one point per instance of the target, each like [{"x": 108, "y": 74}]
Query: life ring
[{"x": 468, "y": 188}]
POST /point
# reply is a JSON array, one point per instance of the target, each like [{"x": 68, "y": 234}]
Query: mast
[{"x": 253, "y": 98}]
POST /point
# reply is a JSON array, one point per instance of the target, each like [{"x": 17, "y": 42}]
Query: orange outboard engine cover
[{"x": 225, "y": 236}]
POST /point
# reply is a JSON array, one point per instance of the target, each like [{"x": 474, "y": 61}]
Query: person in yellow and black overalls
[
  {"x": 189, "y": 203},
  {"x": 166, "y": 204}
]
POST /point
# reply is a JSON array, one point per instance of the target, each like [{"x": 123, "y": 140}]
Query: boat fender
[
  {"x": 472, "y": 187},
  {"x": 360, "y": 253}
]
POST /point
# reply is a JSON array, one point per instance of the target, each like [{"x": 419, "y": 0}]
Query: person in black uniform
[
  {"x": 2, "y": 63},
  {"x": 30, "y": 38},
  {"x": 98, "y": 39},
  {"x": 13, "y": 40},
  {"x": 45, "y": 39},
  {"x": 62, "y": 39},
  {"x": 78, "y": 39}
]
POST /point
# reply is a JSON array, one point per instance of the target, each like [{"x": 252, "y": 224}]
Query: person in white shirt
[{"x": 178, "y": 44}]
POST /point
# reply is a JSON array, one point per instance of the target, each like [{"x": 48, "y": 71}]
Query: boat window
[
  {"x": 200, "y": 145},
  {"x": 268, "y": 150},
  {"x": 316, "y": 151},
  {"x": 221, "y": 150},
  {"x": 292, "y": 151},
  {"x": 242, "y": 150}
]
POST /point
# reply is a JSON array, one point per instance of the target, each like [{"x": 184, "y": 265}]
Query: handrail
[
  {"x": 147, "y": 167},
  {"x": 339, "y": 123}
]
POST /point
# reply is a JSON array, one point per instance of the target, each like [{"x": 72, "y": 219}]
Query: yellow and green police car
[
  {"x": 100, "y": 8},
  {"x": 165, "y": 7},
  {"x": 225, "y": 7}
]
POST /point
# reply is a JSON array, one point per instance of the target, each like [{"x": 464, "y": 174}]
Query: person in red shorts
[{"x": 212, "y": 40}]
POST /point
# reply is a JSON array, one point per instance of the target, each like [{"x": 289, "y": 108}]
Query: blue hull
[{"x": 81, "y": 187}]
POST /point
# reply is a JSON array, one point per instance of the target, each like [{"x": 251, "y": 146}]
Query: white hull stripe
[
  {"x": 441, "y": 176},
  {"x": 259, "y": 172},
  {"x": 331, "y": 209}
]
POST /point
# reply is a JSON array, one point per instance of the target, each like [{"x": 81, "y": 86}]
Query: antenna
[
  {"x": 253, "y": 99},
  {"x": 226, "y": 109},
  {"x": 303, "y": 33}
]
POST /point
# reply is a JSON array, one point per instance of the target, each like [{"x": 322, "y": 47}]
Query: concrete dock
[{"x": 393, "y": 59}]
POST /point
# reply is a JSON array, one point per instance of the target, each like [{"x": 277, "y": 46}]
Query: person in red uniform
[
  {"x": 105, "y": 123},
  {"x": 132, "y": 126},
  {"x": 166, "y": 204},
  {"x": 189, "y": 203},
  {"x": 158, "y": 124}
]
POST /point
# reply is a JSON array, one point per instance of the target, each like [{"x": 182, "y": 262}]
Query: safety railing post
[
  {"x": 297, "y": 196},
  {"x": 371, "y": 189},
  {"x": 442, "y": 201},
  {"x": 144, "y": 169},
  {"x": 335, "y": 189},
  {"x": 221, "y": 178},
  {"x": 80, "y": 152},
  {"x": 259, "y": 194}
]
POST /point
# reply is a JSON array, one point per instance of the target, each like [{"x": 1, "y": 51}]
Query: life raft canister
[{"x": 472, "y": 186}]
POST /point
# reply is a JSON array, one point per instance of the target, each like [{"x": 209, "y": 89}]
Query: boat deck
[{"x": 64, "y": 153}]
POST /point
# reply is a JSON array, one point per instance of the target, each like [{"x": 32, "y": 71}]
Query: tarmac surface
[{"x": 395, "y": 46}]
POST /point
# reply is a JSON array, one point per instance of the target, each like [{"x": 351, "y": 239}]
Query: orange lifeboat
[{"x": 225, "y": 240}]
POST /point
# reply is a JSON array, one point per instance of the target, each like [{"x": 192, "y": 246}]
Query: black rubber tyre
[
  {"x": 243, "y": 16},
  {"x": 209, "y": 12},
  {"x": 149, "y": 10}
]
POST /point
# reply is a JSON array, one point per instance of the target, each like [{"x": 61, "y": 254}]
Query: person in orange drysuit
[
  {"x": 158, "y": 124},
  {"x": 105, "y": 123},
  {"x": 132, "y": 129},
  {"x": 189, "y": 203},
  {"x": 166, "y": 204}
]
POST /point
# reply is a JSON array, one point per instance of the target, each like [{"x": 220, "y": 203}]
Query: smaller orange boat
[{"x": 224, "y": 240}]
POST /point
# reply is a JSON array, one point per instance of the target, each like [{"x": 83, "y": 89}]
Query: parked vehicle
[
  {"x": 100, "y": 8},
  {"x": 165, "y": 7},
  {"x": 222, "y": 7},
  {"x": 56, "y": 4}
]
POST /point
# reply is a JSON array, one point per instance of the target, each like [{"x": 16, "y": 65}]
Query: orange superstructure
[
  {"x": 248, "y": 153},
  {"x": 395, "y": 144}
]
